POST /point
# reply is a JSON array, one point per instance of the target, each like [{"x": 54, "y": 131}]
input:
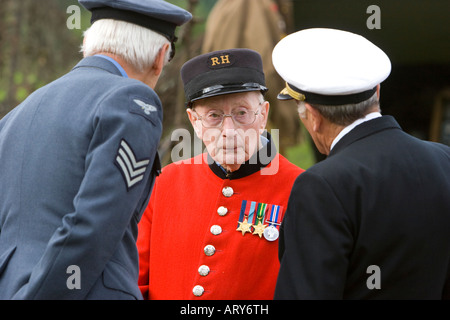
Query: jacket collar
[
  {"x": 258, "y": 161},
  {"x": 363, "y": 130},
  {"x": 98, "y": 62}
]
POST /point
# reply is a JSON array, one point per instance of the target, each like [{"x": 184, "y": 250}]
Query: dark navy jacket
[
  {"x": 375, "y": 212},
  {"x": 78, "y": 161}
]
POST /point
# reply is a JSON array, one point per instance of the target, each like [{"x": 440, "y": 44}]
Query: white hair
[
  {"x": 137, "y": 45},
  {"x": 301, "y": 109},
  {"x": 342, "y": 114}
]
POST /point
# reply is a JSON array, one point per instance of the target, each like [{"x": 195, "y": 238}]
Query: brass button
[
  {"x": 198, "y": 291},
  {"x": 209, "y": 250},
  {"x": 216, "y": 230},
  {"x": 227, "y": 191},
  {"x": 222, "y": 211},
  {"x": 203, "y": 270}
]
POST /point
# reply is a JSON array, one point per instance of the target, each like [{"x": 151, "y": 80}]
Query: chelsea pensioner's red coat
[{"x": 188, "y": 244}]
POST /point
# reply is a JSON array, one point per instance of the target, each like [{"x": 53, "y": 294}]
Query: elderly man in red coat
[{"x": 210, "y": 230}]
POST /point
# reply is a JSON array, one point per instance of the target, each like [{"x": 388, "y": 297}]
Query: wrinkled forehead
[{"x": 227, "y": 102}]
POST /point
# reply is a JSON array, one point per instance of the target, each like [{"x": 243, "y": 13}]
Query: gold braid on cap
[{"x": 294, "y": 94}]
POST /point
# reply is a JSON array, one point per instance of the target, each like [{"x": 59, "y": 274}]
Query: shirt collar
[
  {"x": 350, "y": 127},
  {"x": 118, "y": 66}
]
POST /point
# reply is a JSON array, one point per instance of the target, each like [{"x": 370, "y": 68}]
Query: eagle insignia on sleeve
[{"x": 148, "y": 108}]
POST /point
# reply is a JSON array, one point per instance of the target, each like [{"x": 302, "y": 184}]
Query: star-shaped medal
[
  {"x": 259, "y": 229},
  {"x": 244, "y": 226}
]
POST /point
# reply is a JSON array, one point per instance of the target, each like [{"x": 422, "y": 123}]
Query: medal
[
  {"x": 254, "y": 218},
  {"x": 244, "y": 226},
  {"x": 259, "y": 226},
  {"x": 246, "y": 217},
  {"x": 259, "y": 229},
  {"x": 271, "y": 233}
]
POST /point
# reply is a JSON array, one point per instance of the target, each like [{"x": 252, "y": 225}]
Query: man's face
[{"x": 230, "y": 143}]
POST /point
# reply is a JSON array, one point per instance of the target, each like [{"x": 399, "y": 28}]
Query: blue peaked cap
[{"x": 157, "y": 15}]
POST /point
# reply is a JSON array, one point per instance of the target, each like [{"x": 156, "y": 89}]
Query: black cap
[{"x": 222, "y": 72}]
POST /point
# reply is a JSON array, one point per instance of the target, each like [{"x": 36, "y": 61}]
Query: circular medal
[{"x": 271, "y": 233}]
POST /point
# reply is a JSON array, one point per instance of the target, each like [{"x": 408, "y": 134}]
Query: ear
[
  {"x": 194, "y": 122},
  {"x": 160, "y": 60},
  {"x": 316, "y": 117},
  {"x": 265, "y": 113},
  {"x": 84, "y": 47},
  {"x": 378, "y": 92}
]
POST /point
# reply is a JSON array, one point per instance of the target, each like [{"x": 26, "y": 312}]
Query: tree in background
[
  {"x": 257, "y": 25},
  {"x": 222, "y": 24},
  {"x": 36, "y": 47}
]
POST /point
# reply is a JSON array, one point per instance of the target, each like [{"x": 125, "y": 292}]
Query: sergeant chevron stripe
[{"x": 132, "y": 170}]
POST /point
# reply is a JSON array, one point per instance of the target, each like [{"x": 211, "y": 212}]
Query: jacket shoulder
[
  {"x": 193, "y": 165},
  {"x": 289, "y": 165}
]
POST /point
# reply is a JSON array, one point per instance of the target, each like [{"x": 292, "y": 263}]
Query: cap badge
[
  {"x": 220, "y": 60},
  {"x": 294, "y": 94}
]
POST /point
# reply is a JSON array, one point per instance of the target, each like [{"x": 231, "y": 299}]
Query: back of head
[
  {"x": 134, "y": 30},
  {"x": 344, "y": 114},
  {"x": 137, "y": 45}
]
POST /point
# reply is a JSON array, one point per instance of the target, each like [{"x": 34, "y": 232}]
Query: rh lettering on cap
[{"x": 222, "y": 60}]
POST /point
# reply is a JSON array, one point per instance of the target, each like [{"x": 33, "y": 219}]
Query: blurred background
[{"x": 37, "y": 47}]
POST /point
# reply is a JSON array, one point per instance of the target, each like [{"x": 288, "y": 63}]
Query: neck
[
  {"x": 325, "y": 138},
  {"x": 146, "y": 77},
  {"x": 350, "y": 127}
]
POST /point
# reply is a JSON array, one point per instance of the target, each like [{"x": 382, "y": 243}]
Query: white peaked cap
[{"x": 328, "y": 66}]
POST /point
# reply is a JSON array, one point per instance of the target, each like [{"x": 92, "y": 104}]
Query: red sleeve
[{"x": 143, "y": 245}]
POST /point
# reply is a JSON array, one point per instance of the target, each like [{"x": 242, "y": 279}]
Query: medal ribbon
[
  {"x": 247, "y": 214},
  {"x": 251, "y": 212},
  {"x": 275, "y": 215},
  {"x": 242, "y": 213},
  {"x": 260, "y": 213}
]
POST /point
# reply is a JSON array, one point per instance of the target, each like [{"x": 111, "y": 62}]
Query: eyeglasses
[{"x": 241, "y": 116}]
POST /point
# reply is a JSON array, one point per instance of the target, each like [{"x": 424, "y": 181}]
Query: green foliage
[
  {"x": 36, "y": 47},
  {"x": 2, "y": 95},
  {"x": 301, "y": 154},
  {"x": 21, "y": 93}
]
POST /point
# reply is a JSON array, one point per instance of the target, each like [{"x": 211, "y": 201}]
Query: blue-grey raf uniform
[{"x": 78, "y": 162}]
